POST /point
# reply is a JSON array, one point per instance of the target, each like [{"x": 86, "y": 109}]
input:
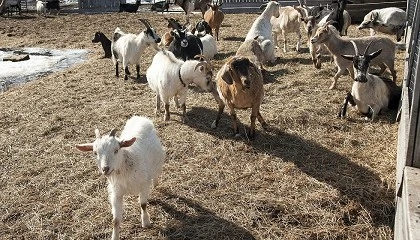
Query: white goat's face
[
  {"x": 152, "y": 36},
  {"x": 107, "y": 150},
  {"x": 205, "y": 73}
]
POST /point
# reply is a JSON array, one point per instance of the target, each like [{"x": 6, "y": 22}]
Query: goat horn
[
  {"x": 200, "y": 64},
  {"x": 145, "y": 23},
  {"x": 201, "y": 56},
  {"x": 356, "y": 51},
  {"x": 367, "y": 47},
  {"x": 113, "y": 132}
]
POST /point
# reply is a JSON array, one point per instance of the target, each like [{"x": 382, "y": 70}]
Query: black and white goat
[
  {"x": 129, "y": 7},
  {"x": 370, "y": 93},
  {"x": 185, "y": 45},
  {"x": 128, "y": 48},
  {"x": 160, "y": 6},
  {"x": 105, "y": 42}
]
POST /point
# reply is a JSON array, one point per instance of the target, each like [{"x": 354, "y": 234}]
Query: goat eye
[
  {"x": 116, "y": 151},
  {"x": 95, "y": 153}
]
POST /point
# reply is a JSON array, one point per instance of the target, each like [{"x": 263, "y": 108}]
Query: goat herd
[{"x": 133, "y": 162}]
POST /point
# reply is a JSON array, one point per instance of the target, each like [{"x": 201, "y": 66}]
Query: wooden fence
[{"x": 407, "y": 217}]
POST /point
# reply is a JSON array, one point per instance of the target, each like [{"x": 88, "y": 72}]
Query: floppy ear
[
  {"x": 227, "y": 75},
  {"x": 86, "y": 147},
  {"x": 348, "y": 57},
  {"x": 375, "y": 54},
  {"x": 127, "y": 143}
]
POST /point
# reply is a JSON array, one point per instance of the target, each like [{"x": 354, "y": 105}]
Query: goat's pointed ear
[
  {"x": 348, "y": 57},
  {"x": 127, "y": 143},
  {"x": 86, "y": 147},
  {"x": 375, "y": 54}
]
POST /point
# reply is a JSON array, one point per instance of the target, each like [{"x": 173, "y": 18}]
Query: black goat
[
  {"x": 129, "y": 7},
  {"x": 185, "y": 46},
  {"x": 160, "y": 6},
  {"x": 337, "y": 14},
  {"x": 53, "y": 5},
  {"x": 106, "y": 43}
]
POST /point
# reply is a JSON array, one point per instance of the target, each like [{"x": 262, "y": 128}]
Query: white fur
[
  {"x": 163, "y": 78},
  {"x": 130, "y": 170},
  {"x": 374, "y": 94},
  {"x": 40, "y": 8},
  {"x": 209, "y": 46},
  {"x": 262, "y": 27},
  {"x": 129, "y": 47},
  {"x": 288, "y": 22},
  {"x": 338, "y": 46},
  {"x": 388, "y": 20}
]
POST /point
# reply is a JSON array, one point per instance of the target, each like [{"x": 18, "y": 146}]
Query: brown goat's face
[{"x": 238, "y": 71}]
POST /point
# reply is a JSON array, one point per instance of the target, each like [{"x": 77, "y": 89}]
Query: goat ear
[
  {"x": 86, "y": 147},
  {"x": 348, "y": 57},
  {"x": 375, "y": 54},
  {"x": 127, "y": 143},
  {"x": 227, "y": 75}
]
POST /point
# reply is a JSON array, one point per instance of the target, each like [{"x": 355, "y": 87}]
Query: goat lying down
[
  {"x": 370, "y": 93},
  {"x": 240, "y": 86}
]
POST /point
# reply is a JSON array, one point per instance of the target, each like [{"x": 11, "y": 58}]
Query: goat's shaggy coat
[
  {"x": 132, "y": 163},
  {"x": 240, "y": 86}
]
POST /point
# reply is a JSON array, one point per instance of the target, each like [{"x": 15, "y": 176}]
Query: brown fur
[{"x": 240, "y": 86}]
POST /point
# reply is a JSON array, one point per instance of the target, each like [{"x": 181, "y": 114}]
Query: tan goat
[
  {"x": 214, "y": 17},
  {"x": 240, "y": 86},
  {"x": 289, "y": 21}
]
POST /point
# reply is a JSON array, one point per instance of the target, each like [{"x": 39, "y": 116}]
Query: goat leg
[
  {"x": 126, "y": 73},
  {"x": 261, "y": 120},
  {"x": 138, "y": 71},
  {"x": 219, "y": 114},
  {"x": 116, "y": 70},
  {"x": 343, "y": 109}
]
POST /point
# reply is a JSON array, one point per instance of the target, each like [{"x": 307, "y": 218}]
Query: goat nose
[
  {"x": 158, "y": 40},
  {"x": 105, "y": 170}
]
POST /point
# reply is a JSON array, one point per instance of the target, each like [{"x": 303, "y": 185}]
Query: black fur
[
  {"x": 105, "y": 42},
  {"x": 129, "y": 7},
  {"x": 160, "y": 6},
  {"x": 193, "y": 48}
]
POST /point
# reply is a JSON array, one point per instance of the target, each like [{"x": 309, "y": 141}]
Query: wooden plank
[{"x": 411, "y": 203}]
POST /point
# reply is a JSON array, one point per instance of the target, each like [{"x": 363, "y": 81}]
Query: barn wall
[
  {"x": 357, "y": 10},
  {"x": 407, "y": 218}
]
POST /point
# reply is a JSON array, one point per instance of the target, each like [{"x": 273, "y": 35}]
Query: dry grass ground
[{"x": 312, "y": 176}]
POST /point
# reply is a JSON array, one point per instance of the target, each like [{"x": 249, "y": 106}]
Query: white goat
[
  {"x": 169, "y": 77},
  {"x": 338, "y": 46},
  {"x": 40, "y": 8},
  {"x": 370, "y": 93},
  {"x": 209, "y": 46},
  {"x": 262, "y": 27},
  {"x": 386, "y": 20},
  {"x": 289, "y": 21},
  {"x": 132, "y": 163},
  {"x": 129, "y": 47},
  {"x": 240, "y": 86}
]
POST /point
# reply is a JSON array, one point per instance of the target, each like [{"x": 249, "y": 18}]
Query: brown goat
[
  {"x": 240, "y": 86},
  {"x": 214, "y": 17}
]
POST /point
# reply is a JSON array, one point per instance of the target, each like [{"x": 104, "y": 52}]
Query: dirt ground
[{"x": 312, "y": 176}]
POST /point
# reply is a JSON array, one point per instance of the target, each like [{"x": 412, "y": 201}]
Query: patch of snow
[{"x": 41, "y": 62}]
